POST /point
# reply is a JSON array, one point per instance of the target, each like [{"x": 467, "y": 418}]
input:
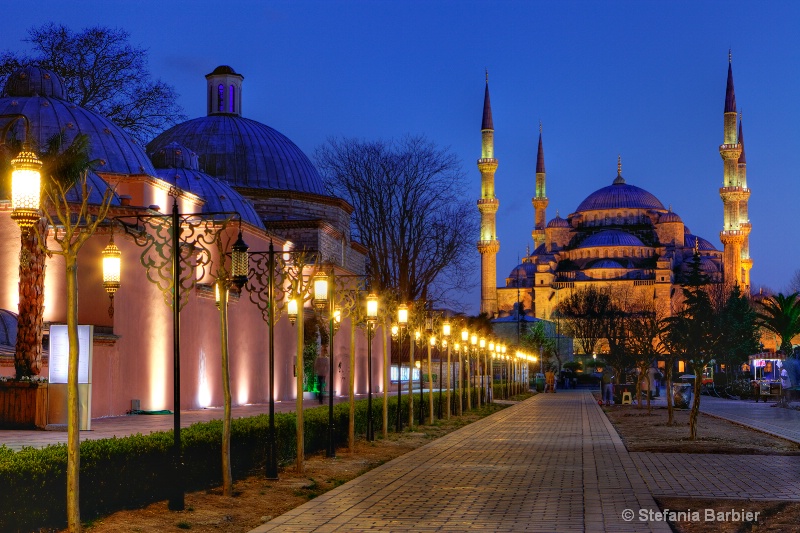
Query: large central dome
[
  {"x": 242, "y": 152},
  {"x": 620, "y": 195}
]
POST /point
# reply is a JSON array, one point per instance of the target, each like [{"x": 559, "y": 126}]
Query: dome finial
[
  {"x": 619, "y": 180},
  {"x": 487, "y": 75},
  {"x": 557, "y": 215},
  {"x": 670, "y": 208},
  {"x": 540, "y": 126},
  {"x": 730, "y": 56}
]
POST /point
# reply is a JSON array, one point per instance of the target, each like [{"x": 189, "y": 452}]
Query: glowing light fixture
[
  {"x": 464, "y": 335},
  {"x": 320, "y": 290},
  {"x": 372, "y": 308},
  {"x": 239, "y": 262},
  {"x": 291, "y": 310},
  {"x": 112, "y": 260},
  {"x": 402, "y": 314},
  {"x": 26, "y": 180}
]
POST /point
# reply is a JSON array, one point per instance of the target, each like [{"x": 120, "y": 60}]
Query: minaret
[
  {"x": 731, "y": 191},
  {"x": 540, "y": 199},
  {"x": 488, "y": 245},
  {"x": 744, "y": 220}
]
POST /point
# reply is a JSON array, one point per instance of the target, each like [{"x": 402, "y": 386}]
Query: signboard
[{"x": 59, "y": 354}]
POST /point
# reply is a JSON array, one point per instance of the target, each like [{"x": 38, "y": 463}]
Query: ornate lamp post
[
  {"x": 273, "y": 276},
  {"x": 372, "y": 319},
  {"x": 482, "y": 348},
  {"x": 431, "y": 345},
  {"x": 323, "y": 300},
  {"x": 175, "y": 247},
  {"x": 418, "y": 364},
  {"x": 462, "y": 371},
  {"x": 402, "y": 320}
]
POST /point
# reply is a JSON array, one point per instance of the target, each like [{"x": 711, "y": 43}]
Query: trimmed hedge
[{"x": 131, "y": 472}]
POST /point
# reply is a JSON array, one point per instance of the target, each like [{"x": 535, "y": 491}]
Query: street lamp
[
  {"x": 26, "y": 180},
  {"x": 323, "y": 298},
  {"x": 372, "y": 319},
  {"x": 473, "y": 341},
  {"x": 431, "y": 345},
  {"x": 266, "y": 283},
  {"x": 481, "y": 351},
  {"x": 402, "y": 320},
  {"x": 175, "y": 275},
  {"x": 446, "y": 334},
  {"x": 418, "y": 364}
]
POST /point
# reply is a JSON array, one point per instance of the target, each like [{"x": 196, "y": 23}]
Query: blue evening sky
[{"x": 643, "y": 79}]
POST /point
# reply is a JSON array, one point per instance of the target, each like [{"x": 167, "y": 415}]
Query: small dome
[
  {"x": 34, "y": 81},
  {"x": 620, "y": 195},
  {"x": 558, "y": 222},
  {"x": 606, "y": 263},
  {"x": 708, "y": 265},
  {"x": 219, "y": 196},
  {"x": 175, "y": 155},
  {"x": 702, "y": 244},
  {"x": 611, "y": 238},
  {"x": 8, "y": 328},
  {"x": 669, "y": 216},
  {"x": 223, "y": 69},
  {"x": 96, "y": 186},
  {"x": 523, "y": 271}
]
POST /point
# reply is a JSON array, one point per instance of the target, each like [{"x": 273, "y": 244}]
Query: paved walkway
[
  {"x": 551, "y": 463},
  {"x": 762, "y": 416}
]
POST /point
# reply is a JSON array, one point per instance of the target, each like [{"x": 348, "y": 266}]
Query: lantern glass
[
  {"x": 337, "y": 315},
  {"x": 433, "y": 340},
  {"x": 473, "y": 339},
  {"x": 464, "y": 335},
  {"x": 26, "y": 180},
  {"x": 402, "y": 314},
  {"x": 446, "y": 329},
  {"x": 291, "y": 308},
  {"x": 216, "y": 292},
  {"x": 112, "y": 260},
  {"x": 395, "y": 330},
  {"x": 321, "y": 288},
  {"x": 372, "y": 307},
  {"x": 456, "y": 346},
  {"x": 491, "y": 346},
  {"x": 482, "y": 343}
]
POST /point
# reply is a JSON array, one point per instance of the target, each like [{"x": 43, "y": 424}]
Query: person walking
[
  {"x": 607, "y": 381},
  {"x": 550, "y": 381}
]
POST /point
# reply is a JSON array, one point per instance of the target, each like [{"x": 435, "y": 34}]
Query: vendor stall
[{"x": 766, "y": 372}]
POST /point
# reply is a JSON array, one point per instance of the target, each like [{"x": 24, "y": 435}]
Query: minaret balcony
[
  {"x": 488, "y": 205},
  {"x": 489, "y": 247},
  {"x": 487, "y": 165},
  {"x": 730, "y": 151}
]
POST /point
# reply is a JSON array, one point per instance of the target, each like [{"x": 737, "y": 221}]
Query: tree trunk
[
  {"x": 668, "y": 378},
  {"x": 73, "y": 414},
  {"x": 227, "y": 480},
  {"x": 28, "y": 352},
  {"x": 698, "y": 381},
  {"x": 301, "y": 452},
  {"x": 351, "y": 427}
]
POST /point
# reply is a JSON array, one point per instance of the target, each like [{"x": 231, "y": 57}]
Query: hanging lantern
[
  {"x": 320, "y": 290},
  {"x": 402, "y": 314},
  {"x": 291, "y": 310},
  {"x": 26, "y": 180},
  {"x": 240, "y": 262},
  {"x": 112, "y": 266}
]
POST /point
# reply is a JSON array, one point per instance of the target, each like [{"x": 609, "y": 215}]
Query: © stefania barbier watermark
[{"x": 689, "y": 515}]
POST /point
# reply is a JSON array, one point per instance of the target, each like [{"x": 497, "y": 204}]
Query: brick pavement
[
  {"x": 751, "y": 477},
  {"x": 551, "y": 463},
  {"x": 762, "y": 416}
]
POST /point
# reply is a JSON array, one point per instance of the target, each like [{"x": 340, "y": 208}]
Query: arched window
[
  {"x": 232, "y": 99},
  {"x": 221, "y": 98}
]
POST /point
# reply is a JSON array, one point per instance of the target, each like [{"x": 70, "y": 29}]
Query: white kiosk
[{"x": 59, "y": 365}]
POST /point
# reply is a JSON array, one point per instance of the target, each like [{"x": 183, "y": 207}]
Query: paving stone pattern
[
  {"x": 551, "y": 463},
  {"x": 692, "y": 475}
]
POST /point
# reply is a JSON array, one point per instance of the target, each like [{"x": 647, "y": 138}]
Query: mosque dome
[
  {"x": 177, "y": 165},
  {"x": 34, "y": 81},
  {"x": 38, "y": 94},
  {"x": 523, "y": 271},
  {"x": 96, "y": 186},
  {"x": 620, "y": 195},
  {"x": 708, "y": 265},
  {"x": 558, "y": 222},
  {"x": 611, "y": 237},
  {"x": 606, "y": 263},
  {"x": 240, "y": 151},
  {"x": 702, "y": 244},
  {"x": 669, "y": 216},
  {"x": 8, "y": 328}
]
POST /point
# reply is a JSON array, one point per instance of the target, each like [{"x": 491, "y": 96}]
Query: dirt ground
[
  {"x": 649, "y": 433},
  {"x": 257, "y": 500}
]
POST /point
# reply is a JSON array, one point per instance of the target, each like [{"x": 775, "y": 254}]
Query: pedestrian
[
  {"x": 607, "y": 381},
  {"x": 550, "y": 381},
  {"x": 658, "y": 377},
  {"x": 785, "y": 386},
  {"x": 322, "y": 369}
]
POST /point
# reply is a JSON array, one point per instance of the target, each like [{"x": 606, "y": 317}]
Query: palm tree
[{"x": 781, "y": 315}]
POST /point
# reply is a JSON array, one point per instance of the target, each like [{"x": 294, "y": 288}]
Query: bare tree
[
  {"x": 409, "y": 211},
  {"x": 584, "y": 312},
  {"x": 104, "y": 72}
]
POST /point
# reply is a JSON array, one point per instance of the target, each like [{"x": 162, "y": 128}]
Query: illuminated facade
[
  {"x": 488, "y": 245},
  {"x": 622, "y": 238},
  {"x": 222, "y": 162}
]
